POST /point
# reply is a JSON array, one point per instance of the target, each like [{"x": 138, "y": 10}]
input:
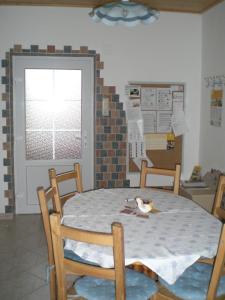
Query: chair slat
[
  {"x": 56, "y": 179},
  {"x": 104, "y": 239},
  {"x": 82, "y": 269},
  {"x": 66, "y": 176},
  {"x": 217, "y": 210},
  {"x": 67, "y": 196},
  {"x": 145, "y": 170}
]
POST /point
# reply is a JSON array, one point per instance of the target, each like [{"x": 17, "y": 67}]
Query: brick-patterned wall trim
[{"x": 110, "y": 132}]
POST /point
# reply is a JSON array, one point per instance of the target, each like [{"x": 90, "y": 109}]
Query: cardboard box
[{"x": 202, "y": 196}]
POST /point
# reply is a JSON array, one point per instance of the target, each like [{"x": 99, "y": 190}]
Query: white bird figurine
[{"x": 145, "y": 208}]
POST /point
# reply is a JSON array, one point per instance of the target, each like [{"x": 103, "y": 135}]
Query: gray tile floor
[{"x": 23, "y": 259}]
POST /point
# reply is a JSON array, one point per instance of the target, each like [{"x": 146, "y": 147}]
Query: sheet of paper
[
  {"x": 134, "y": 114},
  {"x": 137, "y": 161},
  {"x": 178, "y": 101},
  {"x": 148, "y": 99},
  {"x": 178, "y": 123},
  {"x": 216, "y": 105},
  {"x": 164, "y": 121},
  {"x": 137, "y": 152},
  {"x": 149, "y": 121},
  {"x": 136, "y": 149},
  {"x": 140, "y": 125},
  {"x": 135, "y": 131},
  {"x": 155, "y": 141},
  {"x": 178, "y": 105},
  {"x": 133, "y": 102},
  {"x": 177, "y": 88},
  {"x": 178, "y": 95},
  {"x": 216, "y": 116},
  {"x": 126, "y": 90},
  {"x": 164, "y": 99}
]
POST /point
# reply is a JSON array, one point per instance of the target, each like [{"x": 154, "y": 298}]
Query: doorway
[{"x": 53, "y": 122}]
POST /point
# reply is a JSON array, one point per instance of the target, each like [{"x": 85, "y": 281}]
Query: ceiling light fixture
[{"x": 124, "y": 12}]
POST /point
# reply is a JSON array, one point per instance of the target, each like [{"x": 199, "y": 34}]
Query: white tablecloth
[{"x": 167, "y": 242}]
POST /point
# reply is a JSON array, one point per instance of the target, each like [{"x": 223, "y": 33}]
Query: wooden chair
[
  {"x": 47, "y": 206},
  {"x": 217, "y": 210},
  {"x": 145, "y": 170},
  {"x": 46, "y": 196},
  {"x": 99, "y": 282},
  {"x": 200, "y": 281},
  {"x": 56, "y": 179}
]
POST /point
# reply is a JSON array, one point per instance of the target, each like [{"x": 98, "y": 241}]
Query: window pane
[
  {"x": 67, "y": 84},
  {"x": 38, "y": 84},
  {"x": 38, "y": 116},
  {"x": 67, "y": 145},
  {"x": 39, "y": 145},
  {"x": 69, "y": 116},
  {"x": 53, "y": 114}
]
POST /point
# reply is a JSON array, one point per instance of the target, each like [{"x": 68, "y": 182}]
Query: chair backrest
[
  {"x": 46, "y": 196},
  {"x": 145, "y": 170},
  {"x": 217, "y": 210},
  {"x": 56, "y": 179},
  {"x": 217, "y": 271},
  {"x": 218, "y": 268},
  {"x": 115, "y": 239}
]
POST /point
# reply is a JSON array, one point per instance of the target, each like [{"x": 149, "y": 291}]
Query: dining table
[{"x": 167, "y": 240}]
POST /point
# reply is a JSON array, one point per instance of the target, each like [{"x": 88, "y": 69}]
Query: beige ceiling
[{"x": 191, "y": 6}]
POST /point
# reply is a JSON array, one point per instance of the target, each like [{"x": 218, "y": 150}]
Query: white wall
[
  {"x": 212, "y": 145},
  {"x": 167, "y": 51}
]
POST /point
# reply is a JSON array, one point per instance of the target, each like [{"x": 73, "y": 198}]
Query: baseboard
[{"x": 6, "y": 216}]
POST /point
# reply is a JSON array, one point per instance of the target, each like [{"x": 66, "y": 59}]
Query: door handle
[{"x": 85, "y": 144}]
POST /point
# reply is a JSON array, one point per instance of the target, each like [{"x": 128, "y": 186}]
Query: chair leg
[
  {"x": 150, "y": 273},
  {"x": 143, "y": 269},
  {"x": 52, "y": 285}
]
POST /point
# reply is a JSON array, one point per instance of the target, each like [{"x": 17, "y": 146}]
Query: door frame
[{"x": 24, "y": 191}]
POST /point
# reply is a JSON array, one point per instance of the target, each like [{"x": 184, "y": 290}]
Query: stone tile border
[{"x": 110, "y": 132}]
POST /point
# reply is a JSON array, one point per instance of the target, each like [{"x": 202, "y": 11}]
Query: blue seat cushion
[
  {"x": 72, "y": 256},
  {"x": 138, "y": 287},
  {"x": 193, "y": 284}
]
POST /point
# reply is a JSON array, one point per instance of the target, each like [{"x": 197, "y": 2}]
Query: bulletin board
[{"x": 158, "y": 102}]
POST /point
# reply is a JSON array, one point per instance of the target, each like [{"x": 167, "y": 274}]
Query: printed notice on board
[
  {"x": 164, "y": 99},
  {"x": 216, "y": 105},
  {"x": 216, "y": 116},
  {"x": 164, "y": 121},
  {"x": 136, "y": 149},
  {"x": 178, "y": 101},
  {"x": 178, "y": 123},
  {"x": 134, "y": 114},
  {"x": 135, "y": 131},
  {"x": 155, "y": 115},
  {"x": 150, "y": 103},
  {"x": 149, "y": 119},
  {"x": 138, "y": 160},
  {"x": 148, "y": 99}
]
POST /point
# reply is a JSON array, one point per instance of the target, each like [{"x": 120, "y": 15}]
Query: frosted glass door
[{"x": 53, "y": 122}]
